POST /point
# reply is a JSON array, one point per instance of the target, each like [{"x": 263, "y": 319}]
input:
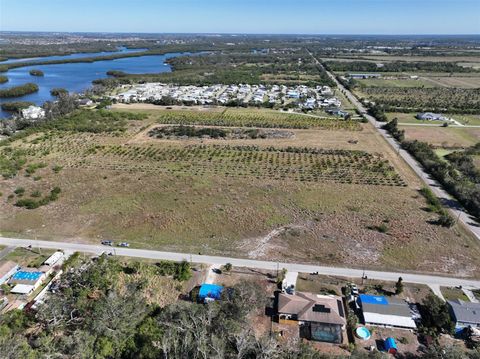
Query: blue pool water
[
  {"x": 21, "y": 275},
  {"x": 363, "y": 333}
]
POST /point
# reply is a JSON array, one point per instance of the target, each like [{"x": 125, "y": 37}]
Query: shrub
[
  {"x": 36, "y": 72},
  {"x": 57, "y": 91},
  {"x": 19, "y": 191},
  {"x": 16, "y": 106},
  {"x": 18, "y": 91}
]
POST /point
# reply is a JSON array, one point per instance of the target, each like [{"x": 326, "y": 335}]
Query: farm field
[
  {"x": 471, "y": 59},
  {"x": 395, "y": 83},
  {"x": 467, "y": 82},
  {"x": 334, "y": 193},
  {"x": 445, "y": 137}
]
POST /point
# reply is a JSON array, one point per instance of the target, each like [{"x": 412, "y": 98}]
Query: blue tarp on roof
[
  {"x": 373, "y": 299},
  {"x": 211, "y": 291}
]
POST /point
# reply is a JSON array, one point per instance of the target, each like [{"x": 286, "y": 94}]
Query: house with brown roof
[
  {"x": 320, "y": 317},
  {"x": 7, "y": 269}
]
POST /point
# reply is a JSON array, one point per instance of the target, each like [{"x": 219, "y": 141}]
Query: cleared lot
[{"x": 199, "y": 195}]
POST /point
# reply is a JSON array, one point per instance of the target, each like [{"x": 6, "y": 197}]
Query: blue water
[
  {"x": 77, "y": 77},
  {"x": 121, "y": 50},
  {"x": 21, "y": 275}
]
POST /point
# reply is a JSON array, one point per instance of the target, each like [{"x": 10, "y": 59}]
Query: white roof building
[
  {"x": 23, "y": 289},
  {"x": 386, "y": 312},
  {"x": 54, "y": 258},
  {"x": 33, "y": 112}
]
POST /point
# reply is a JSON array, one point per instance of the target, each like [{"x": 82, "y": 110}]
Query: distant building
[
  {"x": 464, "y": 314},
  {"x": 7, "y": 269},
  {"x": 320, "y": 317},
  {"x": 85, "y": 102},
  {"x": 33, "y": 113},
  {"x": 210, "y": 292},
  {"x": 337, "y": 112},
  {"x": 364, "y": 76},
  {"x": 293, "y": 94},
  {"x": 391, "y": 312},
  {"x": 429, "y": 116}
]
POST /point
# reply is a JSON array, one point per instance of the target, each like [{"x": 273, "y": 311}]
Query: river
[{"x": 77, "y": 77}]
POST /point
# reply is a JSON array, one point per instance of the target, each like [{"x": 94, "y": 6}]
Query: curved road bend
[
  {"x": 239, "y": 262},
  {"x": 452, "y": 204}
]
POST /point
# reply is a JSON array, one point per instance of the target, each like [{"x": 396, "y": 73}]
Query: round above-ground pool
[{"x": 363, "y": 333}]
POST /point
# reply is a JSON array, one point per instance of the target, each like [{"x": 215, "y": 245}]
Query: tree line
[
  {"x": 397, "y": 66},
  {"x": 458, "y": 183}
]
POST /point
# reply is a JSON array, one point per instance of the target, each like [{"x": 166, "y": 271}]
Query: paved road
[
  {"x": 452, "y": 204},
  {"x": 239, "y": 262}
]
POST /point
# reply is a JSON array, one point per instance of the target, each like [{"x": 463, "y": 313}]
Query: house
[
  {"x": 85, "y": 102},
  {"x": 429, "y": 116},
  {"x": 33, "y": 113},
  {"x": 293, "y": 94},
  {"x": 364, "y": 76},
  {"x": 464, "y": 314},
  {"x": 7, "y": 269},
  {"x": 210, "y": 292},
  {"x": 391, "y": 312},
  {"x": 337, "y": 112},
  {"x": 320, "y": 317},
  {"x": 27, "y": 280}
]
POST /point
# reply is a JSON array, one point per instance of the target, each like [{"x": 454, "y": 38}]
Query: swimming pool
[
  {"x": 30, "y": 276},
  {"x": 363, "y": 333}
]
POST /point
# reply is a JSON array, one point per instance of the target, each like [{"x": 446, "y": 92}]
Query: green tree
[
  {"x": 399, "y": 286},
  {"x": 435, "y": 315},
  {"x": 228, "y": 267}
]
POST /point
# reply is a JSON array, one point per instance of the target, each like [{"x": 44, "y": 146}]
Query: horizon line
[{"x": 236, "y": 33}]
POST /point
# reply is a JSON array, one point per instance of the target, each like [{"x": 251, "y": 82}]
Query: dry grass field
[
  {"x": 445, "y": 137},
  {"x": 467, "y": 82},
  {"x": 332, "y": 194}
]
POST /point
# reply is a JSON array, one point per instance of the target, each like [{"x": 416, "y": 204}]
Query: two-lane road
[
  {"x": 452, "y": 204},
  {"x": 430, "y": 280}
]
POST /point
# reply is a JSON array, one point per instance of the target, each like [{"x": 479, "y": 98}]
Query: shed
[
  {"x": 54, "y": 258},
  {"x": 209, "y": 292},
  {"x": 23, "y": 289},
  {"x": 390, "y": 346}
]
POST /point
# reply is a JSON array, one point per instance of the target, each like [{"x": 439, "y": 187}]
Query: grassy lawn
[
  {"x": 29, "y": 258},
  {"x": 323, "y": 284},
  {"x": 452, "y": 293},
  {"x": 472, "y": 120},
  {"x": 224, "y": 197}
]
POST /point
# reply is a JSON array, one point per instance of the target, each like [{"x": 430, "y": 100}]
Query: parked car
[
  {"x": 107, "y": 243},
  {"x": 124, "y": 244}
]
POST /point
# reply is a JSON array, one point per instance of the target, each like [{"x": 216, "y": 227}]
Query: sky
[{"x": 244, "y": 16}]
